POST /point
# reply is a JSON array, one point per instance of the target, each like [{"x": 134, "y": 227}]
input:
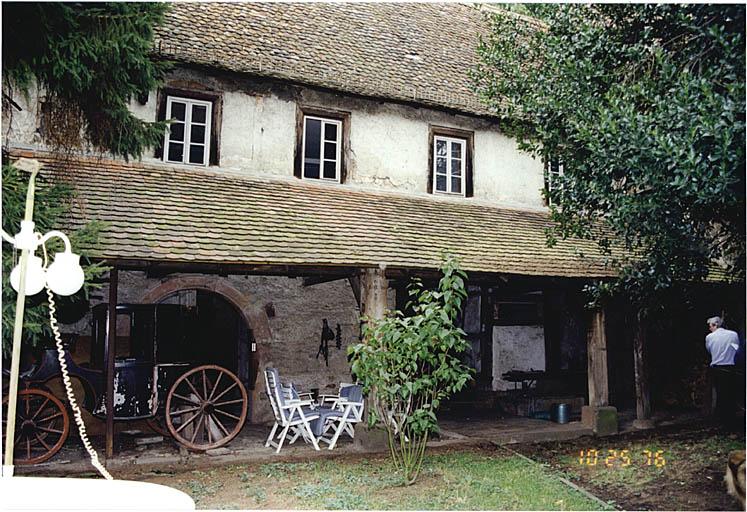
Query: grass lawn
[{"x": 454, "y": 480}]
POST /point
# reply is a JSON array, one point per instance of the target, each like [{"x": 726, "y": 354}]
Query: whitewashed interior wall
[{"x": 516, "y": 347}]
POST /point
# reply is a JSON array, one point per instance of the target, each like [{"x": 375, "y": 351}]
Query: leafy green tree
[
  {"x": 90, "y": 60},
  {"x": 645, "y": 107},
  {"x": 53, "y": 202},
  {"x": 409, "y": 364}
]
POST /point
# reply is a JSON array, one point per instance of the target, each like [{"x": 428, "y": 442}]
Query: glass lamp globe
[
  {"x": 65, "y": 275},
  {"x": 35, "y": 276}
]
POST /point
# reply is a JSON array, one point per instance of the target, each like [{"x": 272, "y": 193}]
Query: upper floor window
[
  {"x": 553, "y": 174},
  {"x": 449, "y": 165},
  {"x": 321, "y": 148},
  {"x": 188, "y": 136},
  {"x": 451, "y": 162},
  {"x": 321, "y": 144}
]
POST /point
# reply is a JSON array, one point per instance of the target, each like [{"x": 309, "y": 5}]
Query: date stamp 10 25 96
[{"x": 622, "y": 458}]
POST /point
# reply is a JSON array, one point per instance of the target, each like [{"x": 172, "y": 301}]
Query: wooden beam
[
  {"x": 311, "y": 281},
  {"x": 642, "y": 394},
  {"x": 110, "y": 349},
  {"x": 597, "y": 360},
  {"x": 355, "y": 286}
]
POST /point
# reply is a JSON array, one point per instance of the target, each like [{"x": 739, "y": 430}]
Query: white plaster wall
[
  {"x": 504, "y": 174},
  {"x": 258, "y": 133},
  {"x": 516, "y": 347},
  {"x": 390, "y": 151},
  {"x": 20, "y": 127}
]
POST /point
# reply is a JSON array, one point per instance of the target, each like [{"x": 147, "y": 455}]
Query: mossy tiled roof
[
  {"x": 157, "y": 212},
  {"x": 416, "y": 52}
]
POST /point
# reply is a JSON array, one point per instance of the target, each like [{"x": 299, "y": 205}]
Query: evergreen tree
[{"x": 90, "y": 60}]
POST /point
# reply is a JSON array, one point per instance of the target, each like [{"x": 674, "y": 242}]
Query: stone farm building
[{"x": 321, "y": 156}]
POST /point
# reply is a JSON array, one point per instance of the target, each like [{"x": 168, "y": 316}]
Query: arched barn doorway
[{"x": 224, "y": 338}]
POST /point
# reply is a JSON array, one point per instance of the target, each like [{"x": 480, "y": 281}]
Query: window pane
[
  {"x": 311, "y": 170},
  {"x": 176, "y": 152},
  {"x": 456, "y": 150},
  {"x": 313, "y": 133},
  {"x": 199, "y": 113},
  {"x": 330, "y": 150},
  {"x": 197, "y": 134},
  {"x": 196, "y": 154},
  {"x": 440, "y": 182},
  {"x": 440, "y": 148},
  {"x": 177, "y": 110},
  {"x": 330, "y": 170},
  {"x": 330, "y": 132},
  {"x": 456, "y": 185},
  {"x": 176, "y": 131},
  {"x": 440, "y": 166},
  {"x": 456, "y": 167}
]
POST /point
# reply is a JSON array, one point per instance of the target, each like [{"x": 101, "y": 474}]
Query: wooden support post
[
  {"x": 373, "y": 300},
  {"x": 642, "y": 395},
  {"x": 109, "y": 352},
  {"x": 374, "y": 286},
  {"x": 598, "y": 415},
  {"x": 597, "y": 360}
]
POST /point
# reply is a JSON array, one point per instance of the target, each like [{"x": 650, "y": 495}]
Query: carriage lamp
[{"x": 64, "y": 276}]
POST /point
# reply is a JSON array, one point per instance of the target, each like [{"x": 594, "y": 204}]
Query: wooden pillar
[
  {"x": 598, "y": 415},
  {"x": 640, "y": 366},
  {"x": 109, "y": 353},
  {"x": 597, "y": 360},
  {"x": 373, "y": 292}
]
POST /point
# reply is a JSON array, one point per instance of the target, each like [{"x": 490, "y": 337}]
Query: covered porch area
[{"x": 271, "y": 260}]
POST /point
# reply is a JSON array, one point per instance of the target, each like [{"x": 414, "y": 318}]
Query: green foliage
[
  {"x": 409, "y": 364},
  {"x": 645, "y": 105},
  {"x": 53, "y": 200},
  {"x": 90, "y": 60}
]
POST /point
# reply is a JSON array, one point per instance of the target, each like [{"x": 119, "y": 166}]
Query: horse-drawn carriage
[{"x": 159, "y": 376}]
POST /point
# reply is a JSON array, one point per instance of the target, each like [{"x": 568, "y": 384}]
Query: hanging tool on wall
[
  {"x": 327, "y": 336},
  {"x": 338, "y": 337}
]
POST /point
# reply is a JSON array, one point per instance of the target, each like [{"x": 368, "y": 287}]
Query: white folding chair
[
  {"x": 292, "y": 415},
  {"x": 350, "y": 404}
]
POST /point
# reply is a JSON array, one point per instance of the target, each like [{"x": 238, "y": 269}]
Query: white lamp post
[{"x": 64, "y": 277}]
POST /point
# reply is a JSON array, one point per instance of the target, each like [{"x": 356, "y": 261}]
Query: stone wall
[{"x": 287, "y": 338}]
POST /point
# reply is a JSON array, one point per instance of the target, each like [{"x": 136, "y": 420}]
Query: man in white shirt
[{"x": 722, "y": 344}]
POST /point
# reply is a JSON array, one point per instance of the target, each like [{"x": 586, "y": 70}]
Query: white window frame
[
  {"x": 449, "y": 170},
  {"x": 188, "y": 130},
  {"x": 338, "y": 149},
  {"x": 550, "y": 174}
]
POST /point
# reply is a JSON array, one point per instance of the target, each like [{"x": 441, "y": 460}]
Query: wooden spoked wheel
[
  {"x": 158, "y": 425},
  {"x": 206, "y": 407},
  {"x": 42, "y": 426}
]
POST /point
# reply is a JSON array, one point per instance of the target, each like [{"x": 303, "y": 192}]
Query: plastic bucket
[{"x": 560, "y": 413}]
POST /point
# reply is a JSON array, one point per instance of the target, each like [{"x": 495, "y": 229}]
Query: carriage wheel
[
  {"x": 42, "y": 425},
  {"x": 158, "y": 424},
  {"x": 206, "y": 407}
]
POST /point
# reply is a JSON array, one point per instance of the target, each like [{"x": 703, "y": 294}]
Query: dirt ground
[{"x": 687, "y": 474}]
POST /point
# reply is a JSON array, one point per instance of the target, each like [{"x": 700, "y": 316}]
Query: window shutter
[
  {"x": 160, "y": 116},
  {"x": 215, "y": 122},
  {"x": 468, "y": 187}
]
